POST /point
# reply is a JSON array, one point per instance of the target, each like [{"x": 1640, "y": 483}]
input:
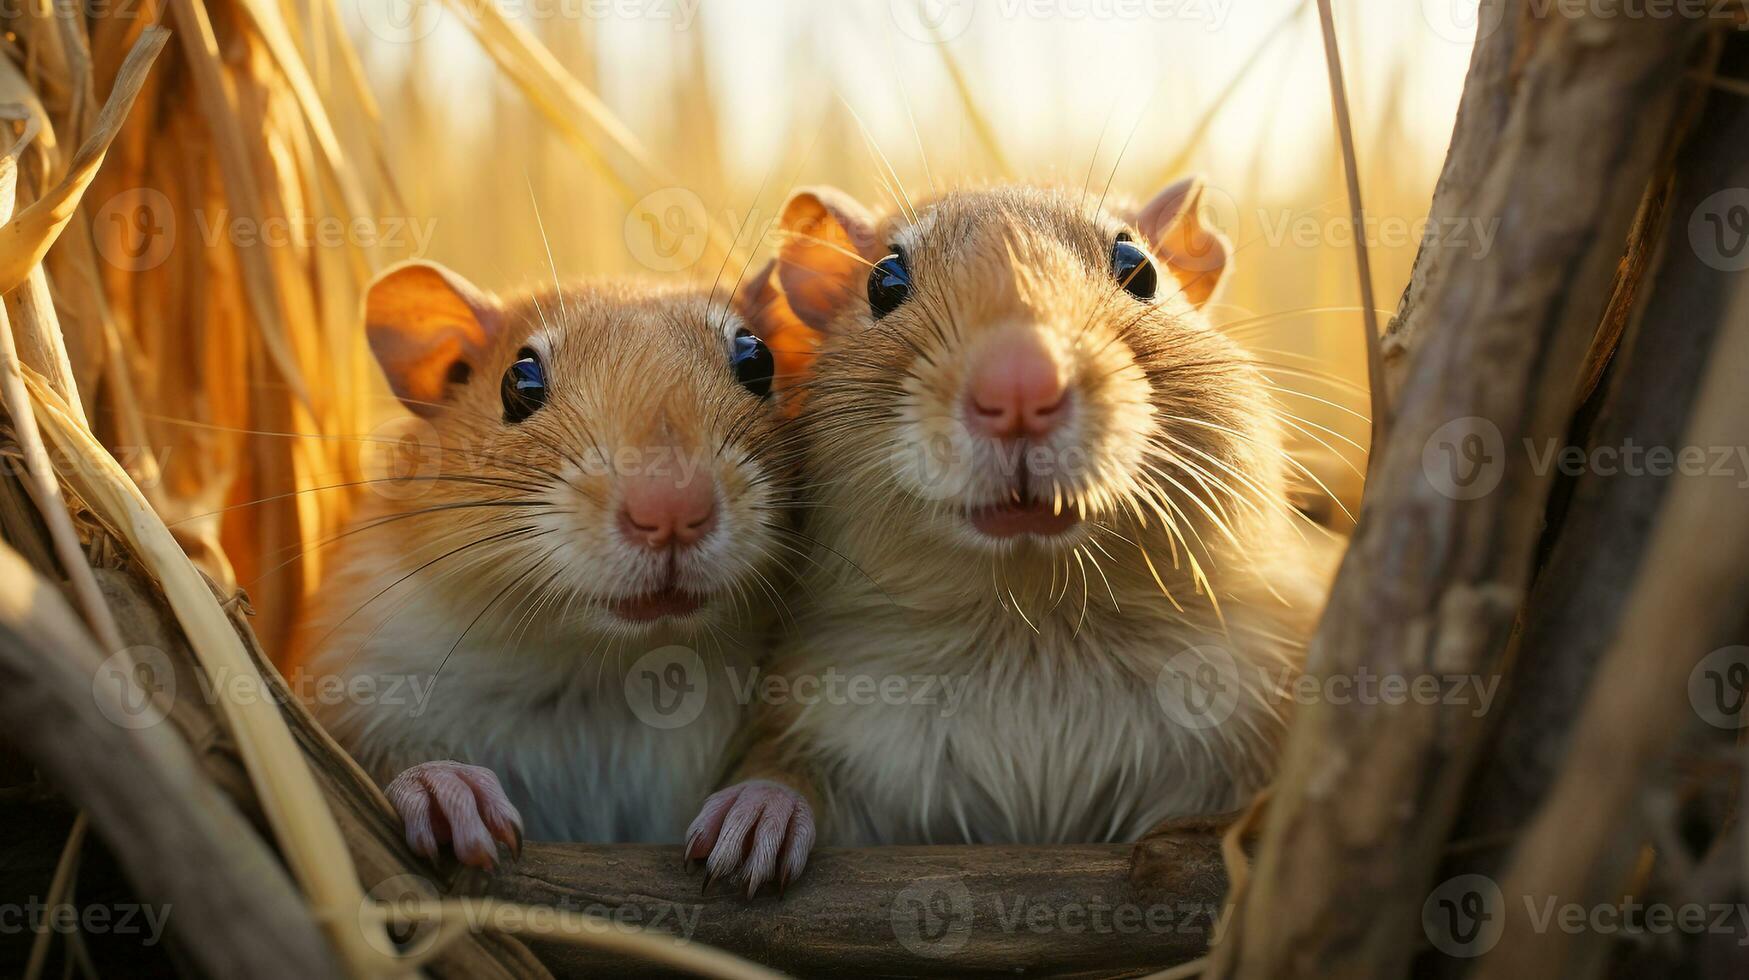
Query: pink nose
[
  {"x": 662, "y": 510},
  {"x": 1016, "y": 389}
]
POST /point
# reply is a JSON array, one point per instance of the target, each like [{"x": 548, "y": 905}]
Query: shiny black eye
[
  {"x": 525, "y": 386},
  {"x": 889, "y": 284},
  {"x": 752, "y": 362},
  {"x": 1133, "y": 268}
]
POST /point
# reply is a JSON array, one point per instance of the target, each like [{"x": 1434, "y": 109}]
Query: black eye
[
  {"x": 525, "y": 387},
  {"x": 752, "y": 362},
  {"x": 1133, "y": 268},
  {"x": 889, "y": 284}
]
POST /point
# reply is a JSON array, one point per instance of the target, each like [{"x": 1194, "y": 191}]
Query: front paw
[
  {"x": 459, "y": 805},
  {"x": 756, "y": 831}
]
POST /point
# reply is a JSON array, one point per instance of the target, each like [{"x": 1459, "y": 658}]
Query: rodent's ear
[
  {"x": 1198, "y": 256},
  {"x": 824, "y": 258},
  {"x": 767, "y": 313},
  {"x": 428, "y": 327}
]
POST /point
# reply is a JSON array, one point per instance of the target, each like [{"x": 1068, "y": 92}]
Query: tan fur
[
  {"x": 536, "y": 690},
  {"x": 1071, "y": 650}
]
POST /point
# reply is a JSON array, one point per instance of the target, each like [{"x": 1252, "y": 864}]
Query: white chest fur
[
  {"x": 592, "y": 739},
  {"x": 1053, "y": 734}
]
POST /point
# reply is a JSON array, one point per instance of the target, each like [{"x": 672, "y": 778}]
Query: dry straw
[{"x": 261, "y": 147}]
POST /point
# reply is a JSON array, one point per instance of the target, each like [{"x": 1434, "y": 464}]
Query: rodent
[
  {"x": 1049, "y": 478},
  {"x": 611, "y": 480}
]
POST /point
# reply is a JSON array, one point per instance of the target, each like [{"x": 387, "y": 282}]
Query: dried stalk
[
  {"x": 1434, "y": 580},
  {"x": 1369, "y": 315}
]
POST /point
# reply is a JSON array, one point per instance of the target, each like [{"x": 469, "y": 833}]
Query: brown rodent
[
  {"x": 1052, "y": 483},
  {"x": 609, "y": 485}
]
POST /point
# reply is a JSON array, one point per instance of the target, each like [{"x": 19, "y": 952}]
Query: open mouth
[
  {"x": 651, "y": 606},
  {"x": 1014, "y": 518}
]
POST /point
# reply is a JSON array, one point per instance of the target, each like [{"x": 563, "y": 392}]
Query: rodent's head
[
  {"x": 606, "y": 453},
  {"x": 1015, "y": 371}
]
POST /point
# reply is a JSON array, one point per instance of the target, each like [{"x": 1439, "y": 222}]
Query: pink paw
[
  {"x": 756, "y": 831},
  {"x": 459, "y": 805}
]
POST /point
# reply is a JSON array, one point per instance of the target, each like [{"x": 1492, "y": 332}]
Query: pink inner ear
[
  {"x": 822, "y": 262},
  {"x": 418, "y": 369},
  {"x": 1196, "y": 255},
  {"x": 421, "y": 319},
  {"x": 1158, "y": 214}
]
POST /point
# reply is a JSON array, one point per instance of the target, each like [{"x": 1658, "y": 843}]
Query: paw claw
[
  {"x": 459, "y": 805},
  {"x": 756, "y": 832}
]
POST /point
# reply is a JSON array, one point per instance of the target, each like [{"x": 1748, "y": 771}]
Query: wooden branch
[
  {"x": 962, "y": 911},
  {"x": 1481, "y": 117},
  {"x": 1573, "y": 612},
  {"x": 1439, "y": 563},
  {"x": 230, "y": 903},
  {"x": 1687, "y": 603}
]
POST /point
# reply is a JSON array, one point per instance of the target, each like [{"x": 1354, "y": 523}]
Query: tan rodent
[
  {"x": 1053, "y": 483},
  {"x": 610, "y": 483}
]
